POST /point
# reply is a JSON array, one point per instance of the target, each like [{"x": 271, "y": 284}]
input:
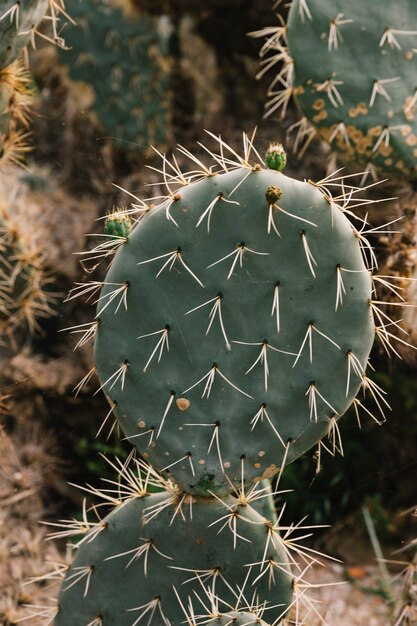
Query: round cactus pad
[
  {"x": 153, "y": 554},
  {"x": 234, "y": 327}
]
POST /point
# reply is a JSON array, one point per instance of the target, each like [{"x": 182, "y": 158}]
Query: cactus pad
[
  {"x": 233, "y": 330},
  {"x": 149, "y": 552},
  {"x": 122, "y": 62},
  {"x": 351, "y": 68}
]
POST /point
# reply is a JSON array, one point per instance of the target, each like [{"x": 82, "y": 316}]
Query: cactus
[
  {"x": 122, "y": 62},
  {"x": 222, "y": 362},
  {"x": 19, "y": 26},
  {"x": 155, "y": 568},
  {"x": 350, "y": 68},
  {"x": 216, "y": 352},
  {"x": 18, "y": 21},
  {"x": 25, "y": 293}
]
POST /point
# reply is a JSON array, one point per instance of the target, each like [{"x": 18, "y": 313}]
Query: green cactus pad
[
  {"x": 19, "y": 17},
  {"x": 122, "y": 63},
  {"x": 354, "y": 78},
  {"x": 152, "y": 550},
  {"x": 233, "y": 334}
]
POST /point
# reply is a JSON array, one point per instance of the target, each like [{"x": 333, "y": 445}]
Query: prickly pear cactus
[
  {"x": 350, "y": 66},
  {"x": 19, "y": 27},
  {"x": 18, "y": 21},
  {"x": 25, "y": 291},
  {"x": 123, "y": 63},
  {"x": 235, "y": 324},
  {"x": 154, "y": 550}
]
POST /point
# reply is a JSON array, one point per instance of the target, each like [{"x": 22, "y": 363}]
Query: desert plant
[
  {"x": 26, "y": 295},
  {"x": 121, "y": 64},
  {"x": 349, "y": 67},
  {"x": 19, "y": 27},
  {"x": 222, "y": 362}
]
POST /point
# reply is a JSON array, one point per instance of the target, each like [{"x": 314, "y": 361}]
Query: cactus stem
[
  {"x": 378, "y": 89},
  {"x": 151, "y": 607},
  {"x": 139, "y": 552},
  {"x": 12, "y": 13},
  {"x": 260, "y": 415},
  {"x": 238, "y": 254},
  {"x": 118, "y": 376},
  {"x": 242, "y": 180},
  {"x": 210, "y": 376},
  {"x": 173, "y": 256},
  {"x": 215, "y": 310},
  {"x": 163, "y": 342},
  {"x": 312, "y": 393},
  {"x": 310, "y": 259}
]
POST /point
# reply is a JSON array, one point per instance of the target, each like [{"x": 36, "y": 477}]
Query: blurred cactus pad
[
  {"x": 18, "y": 20},
  {"x": 235, "y": 324},
  {"x": 121, "y": 66},
  {"x": 350, "y": 66},
  {"x": 26, "y": 296}
]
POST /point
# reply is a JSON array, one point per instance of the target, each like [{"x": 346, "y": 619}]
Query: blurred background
[{"x": 133, "y": 79}]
